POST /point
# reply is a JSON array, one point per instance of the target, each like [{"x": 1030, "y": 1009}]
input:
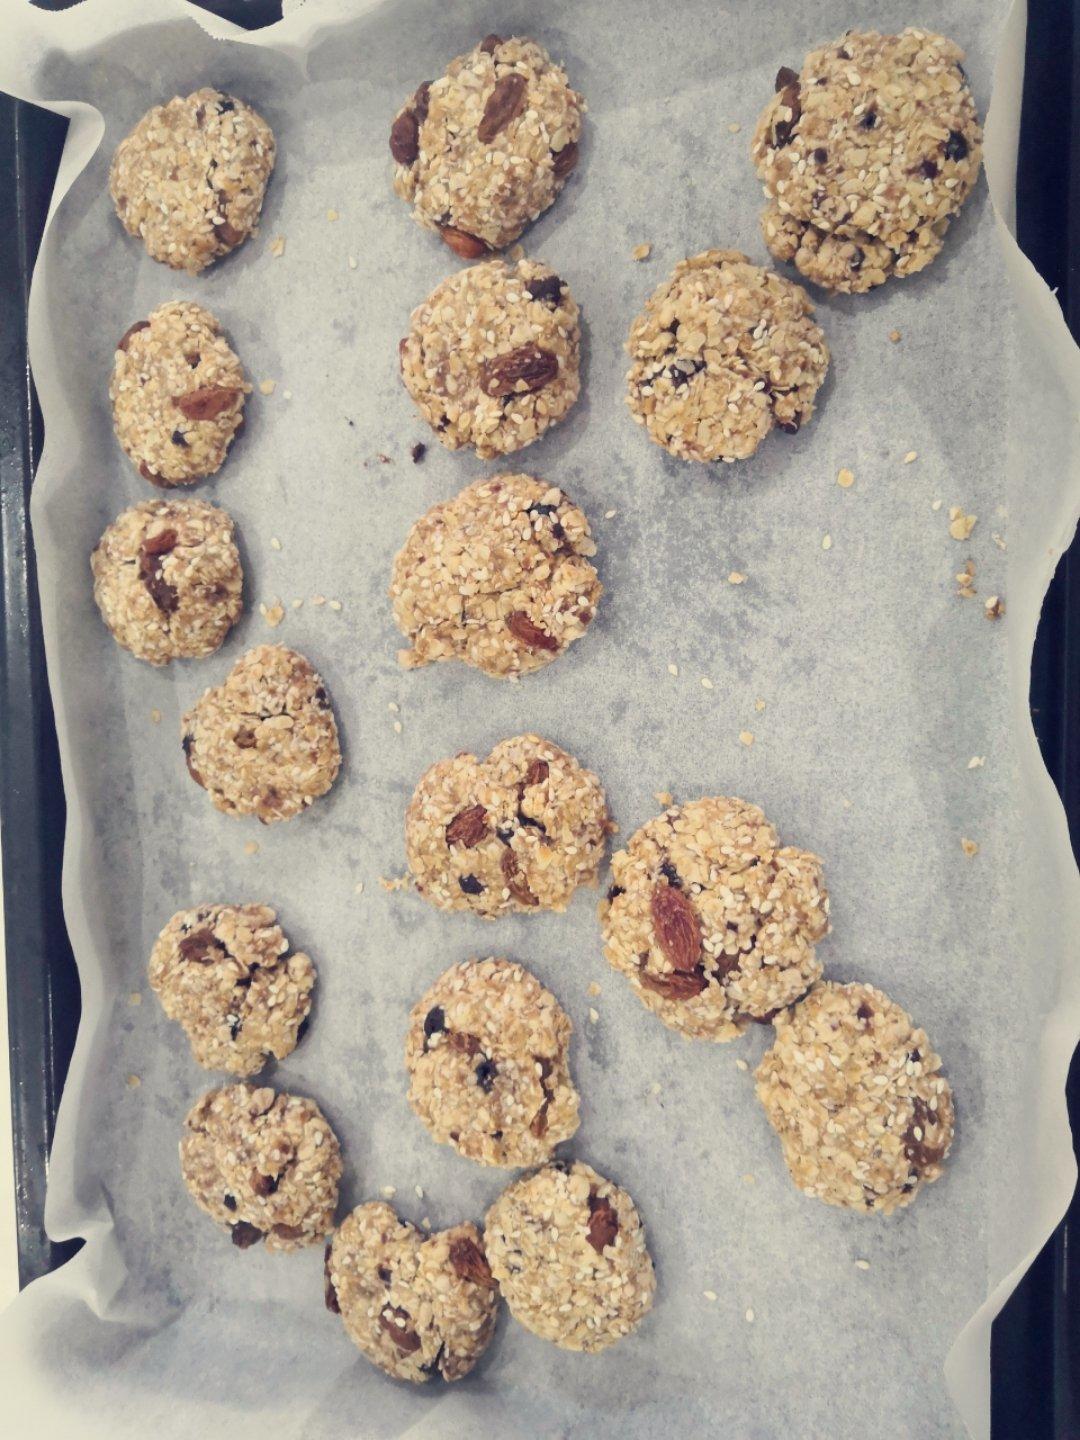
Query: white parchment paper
[{"x": 879, "y": 686}]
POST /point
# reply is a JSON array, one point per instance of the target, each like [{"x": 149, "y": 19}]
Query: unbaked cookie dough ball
[
  {"x": 486, "y": 148},
  {"x": 177, "y": 395},
  {"x": 168, "y": 580},
  {"x": 498, "y": 577},
  {"x": 189, "y": 180},
  {"x": 227, "y": 974},
  {"x": 567, "y": 1248},
  {"x": 518, "y": 831},
  {"x": 856, "y": 1094},
  {"x": 866, "y": 155},
  {"x": 723, "y": 352},
  {"x": 491, "y": 357},
  {"x": 416, "y": 1305},
  {"x": 264, "y": 742},
  {"x": 712, "y": 920},
  {"x": 488, "y": 1062},
  {"x": 264, "y": 1166}
]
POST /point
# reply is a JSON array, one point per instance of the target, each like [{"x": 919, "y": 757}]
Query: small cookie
[
  {"x": 713, "y": 922},
  {"x": 722, "y": 352},
  {"x": 498, "y": 577},
  {"x": 856, "y": 1094},
  {"x": 417, "y": 1305},
  {"x": 520, "y": 830},
  {"x": 189, "y": 180},
  {"x": 491, "y": 357},
  {"x": 167, "y": 579},
  {"x": 177, "y": 395},
  {"x": 264, "y": 742},
  {"x": 866, "y": 156},
  {"x": 488, "y": 1063},
  {"x": 227, "y": 974},
  {"x": 262, "y": 1165},
  {"x": 486, "y": 148},
  {"x": 567, "y": 1248}
]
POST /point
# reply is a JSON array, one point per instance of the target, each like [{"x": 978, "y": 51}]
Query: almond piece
[
  {"x": 514, "y": 880},
  {"x": 469, "y": 247},
  {"x": 679, "y": 985},
  {"x": 676, "y": 927},
  {"x": 529, "y": 633},
  {"x": 206, "y": 403},
  {"x": 603, "y": 1223},
  {"x": 470, "y": 1263},
  {"x": 468, "y": 827}
]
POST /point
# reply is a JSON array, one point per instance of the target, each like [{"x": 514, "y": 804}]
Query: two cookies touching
[{"x": 865, "y": 154}]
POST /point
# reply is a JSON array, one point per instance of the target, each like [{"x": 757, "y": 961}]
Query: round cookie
[
  {"x": 262, "y": 1165},
  {"x": 713, "y": 922},
  {"x": 567, "y": 1248},
  {"x": 177, "y": 393},
  {"x": 498, "y": 577},
  {"x": 416, "y": 1305},
  {"x": 518, "y": 831},
  {"x": 167, "y": 579},
  {"x": 865, "y": 157},
  {"x": 856, "y": 1094},
  {"x": 189, "y": 180},
  {"x": 491, "y": 357},
  {"x": 227, "y": 975},
  {"x": 264, "y": 742},
  {"x": 486, "y": 148},
  {"x": 489, "y": 1073},
  {"x": 723, "y": 352}
]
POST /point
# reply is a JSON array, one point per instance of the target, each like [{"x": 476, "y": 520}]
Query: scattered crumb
[
  {"x": 267, "y": 387},
  {"x": 673, "y": 669},
  {"x": 845, "y": 479},
  {"x": 976, "y": 762},
  {"x": 994, "y": 607},
  {"x": 155, "y": 717},
  {"x": 610, "y": 514},
  {"x": 641, "y": 252},
  {"x": 734, "y": 127},
  {"x": 396, "y": 882},
  {"x": 334, "y": 604},
  {"x": 135, "y": 998},
  {"x": 826, "y": 542},
  {"x": 318, "y": 599},
  {"x": 275, "y": 543},
  {"x": 418, "y": 451},
  {"x": 251, "y": 847},
  {"x": 710, "y": 1295},
  {"x": 593, "y": 988},
  {"x": 426, "y": 1223},
  {"x": 393, "y": 706},
  {"x": 736, "y": 577},
  {"x": 960, "y": 525},
  {"x": 273, "y": 614},
  {"x": 935, "y": 505},
  {"x": 706, "y": 683},
  {"x": 846, "y": 802},
  {"x": 746, "y": 737},
  {"x": 277, "y": 246},
  {"x": 969, "y": 847},
  {"x": 352, "y": 262},
  {"x": 358, "y": 888},
  {"x": 910, "y": 457},
  {"x": 895, "y": 336},
  {"x": 419, "y": 1191},
  {"x": 759, "y": 706},
  {"x": 862, "y": 1264},
  {"x": 388, "y": 1191},
  {"x": 964, "y": 581},
  {"x": 133, "y": 1082},
  {"x": 662, "y": 797},
  {"x": 332, "y": 215},
  {"x": 594, "y": 1015},
  {"x": 997, "y": 539},
  {"x": 741, "y": 1065},
  {"x": 397, "y": 727}
]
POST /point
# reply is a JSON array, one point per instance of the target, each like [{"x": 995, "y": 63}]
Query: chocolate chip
[
  {"x": 929, "y": 170},
  {"x": 178, "y": 439},
  {"x": 868, "y": 119},
  {"x": 956, "y": 147},
  {"x": 384, "y": 1274},
  {"x": 671, "y": 875},
  {"x": 229, "y": 1201},
  {"x": 434, "y": 1021},
  {"x": 615, "y": 892},
  {"x": 821, "y": 155},
  {"x": 505, "y": 834},
  {"x": 541, "y": 509},
  {"x": 681, "y": 372},
  {"x": 470, "y": 884},
  {"x": 545, "y": 287},
  {"x": 245, "y": 1234},
  {"x": 485, "y": 1075},
  {"x": 418, "y": 451},
  {"x": 785, "y": 76},
  {"x": 224, "y": 106},
  {"x": 865, "y": 1012},
  {"x": 329, "y": 1293}
]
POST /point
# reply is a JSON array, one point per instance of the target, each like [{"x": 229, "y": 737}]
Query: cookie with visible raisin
[
  {"x": 487, "y": 1053},
  {"x": 416, "y": 1305}
]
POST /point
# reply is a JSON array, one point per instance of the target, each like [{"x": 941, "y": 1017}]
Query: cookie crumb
[
  {"x": 746, "y": 737},
  {"x": 994, "y": 607},
  {"x": 273, "y": 614},
  {"x": 594, "y": 1015},
  {"x": 418, "y": 451},
  {"x": 641, "y": 252},
  {"x": 910, "y": 457},
  {"x": 135, "y": 998},
  {"x": 251, "y": 847},
  {"x": 960, "y": 525},
  {"x": 318, "y": 599},
  {"x": 332, "y": 215},
  {"x": 656, "y": 1087},
  {"x": 673, "y": 669},
  {"x": 749, "y": 1179},
  {"x": 593, "y": 989},
  {"x": 275, "y": 543},
  {"x": 759, "y": 705},
  {"x": 297, "y": 603},
  {"x": 895, "y": 336},
  {"x": 845, "y": 479},
  {"x": 976, "y": 762},
  {"x": 736, "y": 577},
  {"x": 964, "y": 578},
  {"x": 155, "y": 717},
  {"x": 277, "y": 246},
  {"x": 388, "y": 1192},
  {"x": 267, "y": 387},
  {"x": 734, "y": 127},
  {"x": 610, "y": 514},
  {"x": 706, "y": 683},
  {"x": 710, "y": 1295},
  {"x": 749, "y": 1317},
  {"x": 969, "y": 847},
  {"x": 395, "y": 882},
  {"x": 133, "y": 1082},
  {"x": 662, "y": 798},
  {"x": 352, "y": 262}
]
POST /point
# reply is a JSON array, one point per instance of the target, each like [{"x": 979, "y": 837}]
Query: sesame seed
[
  {"x": 358, "y": 888},
  {"x": 710, "y": 1295},
  {"x": 419, "y": 1191},
  {"x": 749, "y": 1317},
  {"x": 388, "y": 1192},
  {"x": 594, "y": 1015},
  {"x": 706, "y": 682},
  {"x": 826, "y": 542},
  {"x": 352, "y": 262},
  {"x": 911, "y": 456},
  {"x": 277, "y": 246},
  {"x": 862, "y": 1264},
  {"x": 741, "y": 1065}
]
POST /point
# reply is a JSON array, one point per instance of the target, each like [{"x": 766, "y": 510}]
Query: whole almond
[
  {"x": 207, "y": 402},
  {"x": 679, "y": 985},
  {"x": 469, "y": 247},
  {"x": 522, "y": 372},
  {"x": 676, "y": 927},
  {"x": 565, "y": 160},
  {"x": 470, "y": 1263}
]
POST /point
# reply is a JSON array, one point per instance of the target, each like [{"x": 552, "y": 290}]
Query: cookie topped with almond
[{"x": 486, "y": 148}]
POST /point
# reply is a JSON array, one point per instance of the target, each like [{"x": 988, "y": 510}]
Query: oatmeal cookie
[
  {"x": 856, "y": 1094},
  {"x": 417, "y": 1305},
  {"x": 167, "y": 579},
  {"x": 498, "y": 577},
  {"x": 487, "y": 147},
  {"x": 713, "y": 922},
  {"x": 491, "y": 357},
  {"x": 520, "y": 830},
  {"x": 189, "y": 180},
  {"x": 567, "y": 1248},
  {"x": 866, "y": 156},
  {"x": 722, "y": 352},
  {"x": 489, "y": 1071},
  {"x": 263, "y": 1165},
  {"x": 226, "y": 973},
  {"x": 177, "y": 395},
  {"x": 264, "y": 742}
]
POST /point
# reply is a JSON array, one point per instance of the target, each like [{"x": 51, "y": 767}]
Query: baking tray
[{"x": 1036, "y": 1338}]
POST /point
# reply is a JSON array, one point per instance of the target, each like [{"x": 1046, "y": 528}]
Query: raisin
[
  {"x": 529, "y": 633},
  {"x": 565, "y": 160},
  {"x": 244, "y": 1234},
  {"x": 225, "y": 106},
  {"x": 821, "y": 155},
  {"x": 199, "y": 947},
  {"x": 603, "y": 1223},
  {"x": 485, "y": 1074},
  {"x": 504, "y": 104},
  {"x": 868, "y": 119},
  {"x": 468, "y": 827},
  {"x": 420, "y": 101},
  {"x": 490, "y": 43},
  {"x": 929, "y": 170},
  {"x": 537, "y": 773},
  {"x": 178, "y": 439},
  {"x": 865, "y": 1012},
  {"x": 470, "y": 884},
  {"x": 956, "y": 147},
  {"x": 615, "y": 892},
  {"x": 263, "y": 1184},
  {"x": 329, "y": 1293},
  {"x": 418, "y": 451},
  {"x": 405, "y": 138},
  {"x": 670, "y": 874},
  {"x": 384, "y": 1274},
  {"x": 229, "y": 1201},
  {"x": 681, "y": 372},
  {"x": 785, "y": 76}
]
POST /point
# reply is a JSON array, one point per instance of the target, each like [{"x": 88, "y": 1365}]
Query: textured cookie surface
[
  {"x": 866, "y": 155},
  {"x": 723, "y": 352},
  {"x": 517, "y": 831},
  {"x": 264, "y": 742},
  {"x": 491, "y": 357},
  {"x": 568, "y": 1250},
  {"x": 227, "y": 975},
  {"x": 856, "y": 1094},
  {"x": 487, "y": 1056},
  {"x": 417, "y": 1305},
  {"x": 498, "y": 577},
  {"x": 167, "y": 579},
  {"x": 177, "y": 394},
  {"x": 487, "y": 147},
  {"x": 189, "y": 180},
  {"x": 713, "y": 922},
  {"x": 263, "y": 1165}
]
